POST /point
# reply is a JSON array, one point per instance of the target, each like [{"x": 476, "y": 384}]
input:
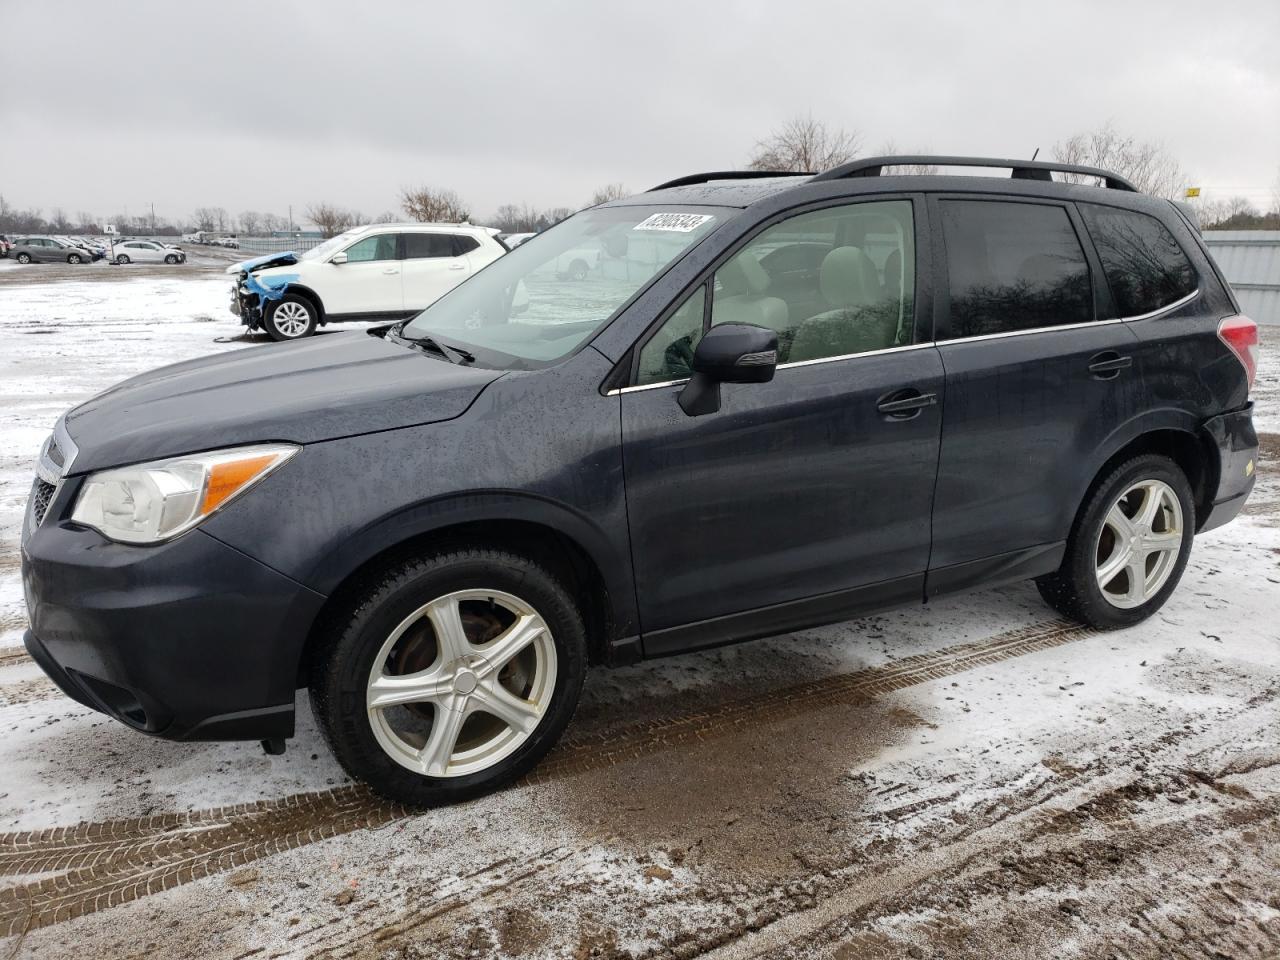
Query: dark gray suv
[{"x": 777, "y": 401}]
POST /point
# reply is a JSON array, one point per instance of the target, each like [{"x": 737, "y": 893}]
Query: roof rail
[
  {"x": 1022, "y": 169},
  {"x": 726, "y": 175}
]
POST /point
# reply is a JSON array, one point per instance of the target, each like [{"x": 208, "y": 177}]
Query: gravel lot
[{"x": 975, "y": 778}]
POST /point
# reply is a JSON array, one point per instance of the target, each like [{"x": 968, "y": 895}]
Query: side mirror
[
  {"x": 729, "y": 353},
  {"x": 338, "y": 258}
]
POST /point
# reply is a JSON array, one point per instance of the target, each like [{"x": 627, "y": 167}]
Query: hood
[
  {"x": 322, "y": 388},
  {"x": 266, "y": 260}
]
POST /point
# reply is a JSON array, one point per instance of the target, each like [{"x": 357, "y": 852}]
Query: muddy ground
[{"x": 974, "y": 778}]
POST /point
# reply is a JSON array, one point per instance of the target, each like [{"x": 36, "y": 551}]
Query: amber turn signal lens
[{"x": 226, "y": 478}]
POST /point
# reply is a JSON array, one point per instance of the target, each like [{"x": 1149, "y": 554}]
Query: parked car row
[
  {"x": 203, "y": 240},
  {"x": 46, "y": 249}
]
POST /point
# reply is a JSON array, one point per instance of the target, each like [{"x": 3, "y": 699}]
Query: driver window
[
  {"x": 381, "y": 246},
  {"x": 831, "y": 282}
]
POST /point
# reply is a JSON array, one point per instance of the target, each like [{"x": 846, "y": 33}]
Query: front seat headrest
[
  {"x": 848, "y": 278},
  {"x": 743, "y": 276}
]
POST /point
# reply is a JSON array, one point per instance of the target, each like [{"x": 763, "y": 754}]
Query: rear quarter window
[{"x": 1145, "y": 266}]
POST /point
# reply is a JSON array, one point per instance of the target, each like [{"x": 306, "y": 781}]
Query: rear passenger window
[
  {"x": 423, "y": 246},
  {"x": 463, "y": 244},
  {"x": 1145, "y": 266},
  {"x": 1013, "y": 266}
]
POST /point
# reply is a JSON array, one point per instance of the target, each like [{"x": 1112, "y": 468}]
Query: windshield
[
  {"x": 329, "y": 247},
  {"x": 546, "y": 297}
]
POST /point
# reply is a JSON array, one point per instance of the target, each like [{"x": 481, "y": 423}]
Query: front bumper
[
  {"x": 188, "y": 640},
  {"x": 1236, "y": 441}
]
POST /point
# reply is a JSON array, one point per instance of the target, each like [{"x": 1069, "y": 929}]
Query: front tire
[
  {"x": 171, "y": 259},
  {"x": 73, "y": 258},
  {"x": 290, "y": 318},
  {"x": 121, "y": 259},
  {"x": 450, "y": 676},
  {"x": 1128, "y": 548}
]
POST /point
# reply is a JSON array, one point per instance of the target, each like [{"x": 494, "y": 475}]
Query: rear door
[
  {"x": 1038, "y": 376},
  {"x": 433, "y": 265},
  {"x": 806, "y": 495}
]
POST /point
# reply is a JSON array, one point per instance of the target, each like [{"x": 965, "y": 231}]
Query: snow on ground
[{"x": 974, "y": 778}]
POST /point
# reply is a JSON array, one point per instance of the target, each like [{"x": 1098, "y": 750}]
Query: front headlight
[{"x": 153, "y": 502}]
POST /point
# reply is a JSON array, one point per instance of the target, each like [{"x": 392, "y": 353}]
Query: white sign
[
  {"x": 109, "y": 229},
  {"x": 675, "y": 222}
]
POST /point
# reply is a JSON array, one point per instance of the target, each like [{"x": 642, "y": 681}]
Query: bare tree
[
  {"x": 271, "y": 222},
  {"x": 429, "y": 205},
  {"x": 205, "y": 217},
  {"x": 610, "y": 191},
  {"x": 1148, "y": 165},
  {"x": 221, "y": 222},
  {"x": 804, "y": 144},
  {"x": 386, "y": 216},
  {"x": 330, "y": 220},
  {"x": 250, "y": 222},
  {"x": 1229, "y": 213},
  {"x": 889, "y": 148},
  {"x": 58, "y": 221}
]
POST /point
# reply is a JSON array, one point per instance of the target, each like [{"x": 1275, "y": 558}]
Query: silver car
[{"x": 49, "y": 250}]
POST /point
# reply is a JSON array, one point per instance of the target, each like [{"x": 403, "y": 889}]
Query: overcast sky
[{"x": 108, "y": 107}]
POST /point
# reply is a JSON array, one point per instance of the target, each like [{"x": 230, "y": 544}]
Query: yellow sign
[{"x": 1192, "y": 192}]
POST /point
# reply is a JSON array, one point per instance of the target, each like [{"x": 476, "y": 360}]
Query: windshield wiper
[{"x": 435, "y": 346}]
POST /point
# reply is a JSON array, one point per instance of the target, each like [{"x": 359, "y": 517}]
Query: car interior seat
[{"x": 850, "y": 285}]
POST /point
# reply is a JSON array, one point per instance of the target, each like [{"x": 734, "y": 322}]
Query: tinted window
[
  {"x": 463, "y": 244},
  {"x": 421, "y": 246},
  {"x": 381, "y": 246},
  {"x": 1144, "y": 265},
  {"x": 1013, "y": 266}
]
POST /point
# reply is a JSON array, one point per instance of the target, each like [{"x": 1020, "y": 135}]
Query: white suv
[{"x": 379, "y": 272}]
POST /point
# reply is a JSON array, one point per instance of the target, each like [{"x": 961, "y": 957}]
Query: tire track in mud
[
  {"x": 1047, "y": 820},
  {"x": 13, "y": 657},
  {"x": 109, "y": 863},
  {"x": 28, "y": 691}
]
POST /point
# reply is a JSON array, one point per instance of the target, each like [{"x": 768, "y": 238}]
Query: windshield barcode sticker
[{"x": 678, "y": 222}]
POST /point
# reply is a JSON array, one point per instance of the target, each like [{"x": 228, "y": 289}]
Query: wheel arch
[
  {"x": 1175, "y": 434},
  {"x": 553, "y": 536}
]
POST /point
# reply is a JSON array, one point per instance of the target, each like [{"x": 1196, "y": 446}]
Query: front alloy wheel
[
  {"x": 451, "y": 675},
  {"x": 461, "y": 683}
]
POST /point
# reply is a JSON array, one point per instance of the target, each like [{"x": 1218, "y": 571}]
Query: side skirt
[{"x": 993, "y": 571}]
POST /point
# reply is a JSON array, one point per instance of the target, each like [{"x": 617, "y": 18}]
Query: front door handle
[
  {"x": 1108, "y": 364},
  {"x": 457, "y": 266},
  {"x": 391, "y": 270},
  {"x": 905, "y": 404}
]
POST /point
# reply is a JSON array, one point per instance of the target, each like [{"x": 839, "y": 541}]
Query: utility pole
[
  {"x": 153, "y": 219},
  {"x": 290, "y": 218}
]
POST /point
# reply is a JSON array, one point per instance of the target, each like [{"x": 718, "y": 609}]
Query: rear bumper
[
  {"x": 189, "y": 640},
  {"x": 1236, "y": 441}
]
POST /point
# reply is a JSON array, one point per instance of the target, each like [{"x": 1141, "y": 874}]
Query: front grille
[{"x": 41, "y": 494}]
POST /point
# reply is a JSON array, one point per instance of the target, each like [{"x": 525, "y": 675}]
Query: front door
[
  {"x": 369, "y": 282},
  {"x": 1037, "y": 378},
  {"x": 808, "y": 495}
]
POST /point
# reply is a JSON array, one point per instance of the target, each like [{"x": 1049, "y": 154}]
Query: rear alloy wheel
[
  {"x": 578, "y": 270},
  {"x": 1128, "y": 548},
  {"x": 24, "y": 258},
  {"x": 451, "y": 676},
  {"x": 290, "y": 318},
  {"x": 73, "y": 258}
]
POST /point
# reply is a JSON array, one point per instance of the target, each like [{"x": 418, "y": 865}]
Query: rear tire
[
  {"x": 390, "y": 632},
  {"x": 578, "y": 270},
  {"x": 23, "y": 258},
  {"x": 290, "y": 318},
  {"x": 1120, "y": 567}
]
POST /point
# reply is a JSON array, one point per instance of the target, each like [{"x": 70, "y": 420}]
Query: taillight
[{"x": 1240, "y": 334}]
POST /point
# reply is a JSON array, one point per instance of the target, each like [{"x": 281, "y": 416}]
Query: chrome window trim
[
  {"x": 1181, "y": 302},
  {"x": 1023, "y": 333}
]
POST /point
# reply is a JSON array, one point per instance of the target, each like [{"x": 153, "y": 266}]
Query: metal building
[{"x": 1251, "y": 261}]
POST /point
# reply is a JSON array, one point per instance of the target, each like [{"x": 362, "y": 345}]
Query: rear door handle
[
  {"x": 905, "y": 404},
  {"x": 457, "y": 266},
  {"x": 391, "y": 270},
  {"x": 1107, "y": 365}
]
